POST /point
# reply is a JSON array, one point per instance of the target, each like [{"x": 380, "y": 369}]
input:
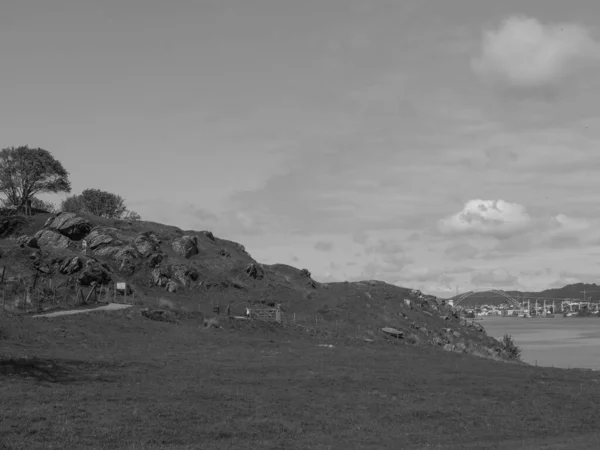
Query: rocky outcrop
[
  {"x": 28, "y": 241},
  {"x": 105, "y": 240},
  {"x": 71, "y": 265},
  {"x": 154, "y": 260},
  {"x": 172, "y": 286},
  {"x": 186, "y": 246},
  {"x": 183, "y": 274},
  {"x": 208, "y": 234},
  {"x": 147, "y": 244},
  {"x": 94, "y": 271},
  {"x": 255, "y": 271},
  {"x": 70, "y": 225},
  {"x": 53, "y": 239},
  {"x": 160, "y": 276},
  {"x": 128, "y": 259}
]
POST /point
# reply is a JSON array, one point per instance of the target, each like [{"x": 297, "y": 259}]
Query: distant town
[{"x": 531, "y": 308}]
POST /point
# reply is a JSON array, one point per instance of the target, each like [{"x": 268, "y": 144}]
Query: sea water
[{"x": 567, "y": 342}]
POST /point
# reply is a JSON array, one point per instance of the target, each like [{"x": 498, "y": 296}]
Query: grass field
[{"x": 116, "y": 380}]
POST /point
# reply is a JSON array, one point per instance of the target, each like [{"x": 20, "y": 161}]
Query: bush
[
  {"x": 305, "y": 273},
  {"x": 512, "y": 350}
]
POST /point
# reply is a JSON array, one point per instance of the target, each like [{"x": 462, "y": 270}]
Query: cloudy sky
[{"x": 432, "y": 144}]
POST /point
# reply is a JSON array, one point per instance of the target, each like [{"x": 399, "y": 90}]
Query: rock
[
  {"x": 127, "y": 257},
  {"x": 154, "y": 260},
  {"x": 172, "y": 286},
  {"x": 393, "y": 332},
  {"x": 28, "y": 241},
  {"x": 186, "y": 246},
  {"x": 305, "y": 273},
  {"x": 255, "y": 271},
  {"x": 241, "y": 248},
  {"x": 160, "y": 315},
  {"x": 146, "y": 244},
  {"x": 456, "y": 334},
  {"x": 71, "y": 265},
  {"x": 160, "y": 276},
  {"x": 105, "y": 237},
  {"x": 69, "y": 224},
  {"x": 94, "y": 271},
  {"x": 224, "y": 253},
  {"x": 408, "y": 302},
  {"x": 208, "y": 234},
  {"x": 449, "y": 347},
  {"x": 183, "y": 274},
  {"x": 50, "y": 238}
]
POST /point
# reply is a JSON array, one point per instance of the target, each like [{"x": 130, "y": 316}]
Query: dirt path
[{"x": 109, "y": 307}]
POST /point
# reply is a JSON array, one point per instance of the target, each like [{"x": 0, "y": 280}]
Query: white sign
[{"x": 121, "y": 286}]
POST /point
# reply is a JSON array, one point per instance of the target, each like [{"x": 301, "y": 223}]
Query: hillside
[
  {"x": 193, "y": 271},
  {"x": 116, "y": 380}
]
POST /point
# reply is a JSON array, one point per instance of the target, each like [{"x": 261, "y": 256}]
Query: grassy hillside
[
  {"x": 327, "y": 377},
  {"x": 119, "y": 381}
]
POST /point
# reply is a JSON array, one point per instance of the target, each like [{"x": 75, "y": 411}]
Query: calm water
[{"x": 560, "y": 342}]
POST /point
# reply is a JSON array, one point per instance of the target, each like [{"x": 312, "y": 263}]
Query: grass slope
[{"x": 117, "y": 381}]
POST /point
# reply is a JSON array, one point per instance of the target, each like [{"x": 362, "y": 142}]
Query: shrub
[
  {"x": 305, "y": 273},
  {"x": 512, "y": 350},
  {"x": 211, "y": 322}
]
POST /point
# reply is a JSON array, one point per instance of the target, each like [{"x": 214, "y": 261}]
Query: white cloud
[
  {"x": 487, "y": 217},
  {"x": 461, "y": 251},
  {"x": 524, "y": 52}
]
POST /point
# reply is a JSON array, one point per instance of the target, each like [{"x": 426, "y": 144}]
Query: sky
[{"x": 431, "y": 144}]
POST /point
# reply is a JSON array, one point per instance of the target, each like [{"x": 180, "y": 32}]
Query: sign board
[{"x": 121, "y": 286}]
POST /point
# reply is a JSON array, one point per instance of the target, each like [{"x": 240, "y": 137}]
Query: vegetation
[
  {"x": 120, "y": 381},
  {"x": 511, "y": 349},
  {"x": 99, "y": 203},
  {"x": 26, "y": 172}
]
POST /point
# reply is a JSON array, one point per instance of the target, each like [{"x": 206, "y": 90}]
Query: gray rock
[
  {"x": 172, "y": 286},
  {"x": 28, "y": 241},
  {"x": 255, "y": 271},
  {"x": 146, "y": 245},
  {"x": 71, "y": 265},
  {"x": 51, "y": 238},
  {"x": 94, "y": 272},
  {"x": 69, "y": 224},
  {"x": 186, "y": 246},
  {"x": 154, "y": 260}
]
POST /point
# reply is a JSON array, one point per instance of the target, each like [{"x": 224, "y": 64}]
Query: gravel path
[{"x": 109, "y": 307}]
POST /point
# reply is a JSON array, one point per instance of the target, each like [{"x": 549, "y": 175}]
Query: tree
[
  {"x": 72, "y": 203},
  {"x": 512, "y": 350},
  {"x": 97, "y": 202},
  {"x": 45, "y": 206},
  {"x": 26, "y": 172},
  {"x": 132, "y": 216}
]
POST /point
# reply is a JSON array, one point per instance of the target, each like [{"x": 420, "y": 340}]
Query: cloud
[
  {"x": 495, "y": 218},
  {"x": 384, "y": 247},
  {"x": 323, "y": 246},
  {"x": 494, "y": 278},
  {"x": 360, "y": 237},
  {"x": 462, "y": 251},
  {"x": 525, "y": 53}
]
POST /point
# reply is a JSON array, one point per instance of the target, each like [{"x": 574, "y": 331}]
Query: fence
[
  {"x": 38, "y": 292},
  {"x": 317, "y": 326}
]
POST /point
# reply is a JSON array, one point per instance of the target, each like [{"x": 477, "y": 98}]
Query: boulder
[
  {"x": 160, "y": 276},
  {"x": 146, "y": 244},
  {"x": 449, "y": 347},
  {"x": 50, "y": 238},
  {"x": 160, "y": 315},
  {"x": 305, "y": 273},
  {"x": 71, "y": 265},
  {"x": 105, "y": 237},
  {"x": 28, "y": 241},
  {"x": 127, "y": 258},
  {"x": 69, "y": 224},
  {"x": 172, "y": 286},
  {"x": 154, "y": 260},
  {"x": 186, "y": 246},
  {"x": 94, "y": 271},
  {"x": 208, "y": 234},
  {"x": 183, "y": 274},
  {"x": 255, "y": 271}
]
